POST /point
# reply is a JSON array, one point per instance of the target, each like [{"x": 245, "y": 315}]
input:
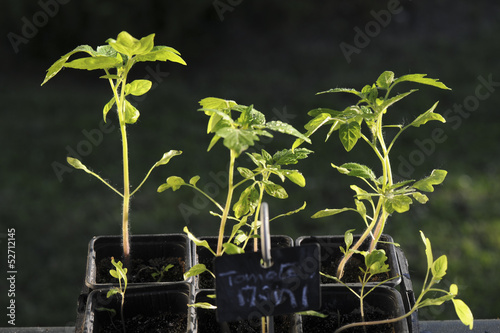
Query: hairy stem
[{"x": 227, "y": 206}]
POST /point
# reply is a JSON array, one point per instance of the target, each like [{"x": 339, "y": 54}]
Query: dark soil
[
  {"x": 352, "y": 273},
  {"x": 141, "y": 270},
  {"x": 159, "y": 323},
  {"x": 335, "y": 320}
]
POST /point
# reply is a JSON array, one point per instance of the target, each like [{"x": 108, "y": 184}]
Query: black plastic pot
[
  {"x": 342, "y": 307},
  {"x": 206, "y": 321},
  {"x": 143, "y": 248},
  {"x": 331, "y": 255},
  {"x": 146, "y": 309},
  {"x": 202, "y": 255}
]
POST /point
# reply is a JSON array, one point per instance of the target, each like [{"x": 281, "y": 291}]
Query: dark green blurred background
[{"x": 275, "y": 55}]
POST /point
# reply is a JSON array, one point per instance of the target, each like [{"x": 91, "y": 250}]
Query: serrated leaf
[
  {"x": 341, "y": 90},
  {"x": 421, "y": 78},
  {"x": 349, "y": 133},
  {"x": 427, "y": 184},
  {"x": 58, "y": 65},
  {"x": 275, "y": 190},
  {"x": 237, "y": 139},
  {"x": 285, "y": 128},
  {"x": 168, "y": 156},
  {"x": 398, "y": 203},
  {"x": 387, "y": 103},
  {"x": 375, "y": 262},
  {"x": 108, "y": 107},
  {"x": 138, "y": 87},
  {"x": 288, "y": 156},
  {"x": 464, "y": 313},
  {"x": 93, "y": 63},
  {"x": 439, "y": 267},
  {"x": 162, "y": 53},
  {"x": 131, "y": 113},
  {"x": 428, "y": 116},
  {"x": 130, "y": 46},
  {"x": 358, "y": 170},
  {"x": 330, "y": 212},
  {"x": 385, "y": 80}
]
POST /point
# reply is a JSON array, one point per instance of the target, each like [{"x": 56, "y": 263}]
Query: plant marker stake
[{"x": 265, "y": 242}]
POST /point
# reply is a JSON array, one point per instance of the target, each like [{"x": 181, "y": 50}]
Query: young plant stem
[{"x": 229, "y": 199}]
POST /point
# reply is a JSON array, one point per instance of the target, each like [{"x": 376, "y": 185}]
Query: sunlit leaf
[
  {"x": 439, "y": 267},
  {"x": 436, "y": 178},
  {"x": 464, "y": 313},
  {"x": 330, "y": 212},
  {"x": 59, "y": 64},
  {"x": 357, "y": 170},
  {"x": 230, "y": 248},
  {"x": 195, "y": 270},
  {"x": 173, "y": 182},
  {"x": 203, "y": 305},
  {"x": 168, "y": 156},
  {"x": 131, "y": 113},
  {"x": 138, "y": 87},
  {"x": 285, "y": 128},
  {"x": 93, "y": 63},
  {"x": 385, "y": 79},
  {"x": 275, "y": 190},
  {"x": 349, "y": 133},
  {"x": 421, "y": 78},
  {"x": 108, "y": 107},
  {"x": 197, "y": 241}
]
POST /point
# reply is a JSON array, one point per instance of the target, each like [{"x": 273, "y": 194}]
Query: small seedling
[
  {"x": 119, "y": 273},
  {"x": 160, "y": 274},
  {"x": 117, "y": 59},
  {"x": 383, "y": 196},
  {"x": 436, "y": 270}
]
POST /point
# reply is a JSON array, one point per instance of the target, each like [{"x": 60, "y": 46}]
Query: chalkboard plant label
[{"x": 247, "y": 290}]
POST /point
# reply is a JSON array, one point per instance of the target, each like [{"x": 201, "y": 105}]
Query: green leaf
[
  {"x": 195, "y": 270},
  {"x": 130, "y": 46},
  {"x": 231, "y": 248},
  {"x": 398, "y": 203},
  {"x": 464, "y": 313},
  {"x": 138, "y": 87},
  {"x": 237, "y": 139},
  {"x": 385, "y": 80},
  {"x": 436, "y": 178},
  {"x": 203, "y": 305},
  {"x": 428, "y": 250},
  {"x": 173, "y": 182},
  {"x": 421, "y": 198},
  {"x": 360, "y": 208},
  {"x": 421, "y": 78},
  {"x": 275, "y": 190},
  {"x": 348, "y": 238},
  {"x": 58, "y": 65},
  {"x": 349, "y": 133},
  {"x": 439, "y": 267},
  {"x": 288, "y": 156},
  {"x": 108, "y": 107},
  {"x": 162, "y": 53},
  {"x": 357, "y": 170},
  {"x": 285, "y": 128},
  {"x": 387, "y": 103},
  {"x": 93, "y": 63},
  {"x": 375, "y": 262},
  {"x": 168, "y": 156},
  {"x": 247, "y": 201},
  {"x": 245, "y": 173},
  {"x": 113, "y": 291},
  {"x": 131, "y": 113},
  {"x": 290, "y": 213},
  {"x": 217, "y": 103},
  {"x": 428, "y": 116},
  {"x": 313, "y": 313},
  {"x": 194, "y": 180},
  {"x": 330, "y": 212},
  {"x": 295, "y": 176},
  {"x": 198, "y": 242},
  {"x": 341, "y": 90}
]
